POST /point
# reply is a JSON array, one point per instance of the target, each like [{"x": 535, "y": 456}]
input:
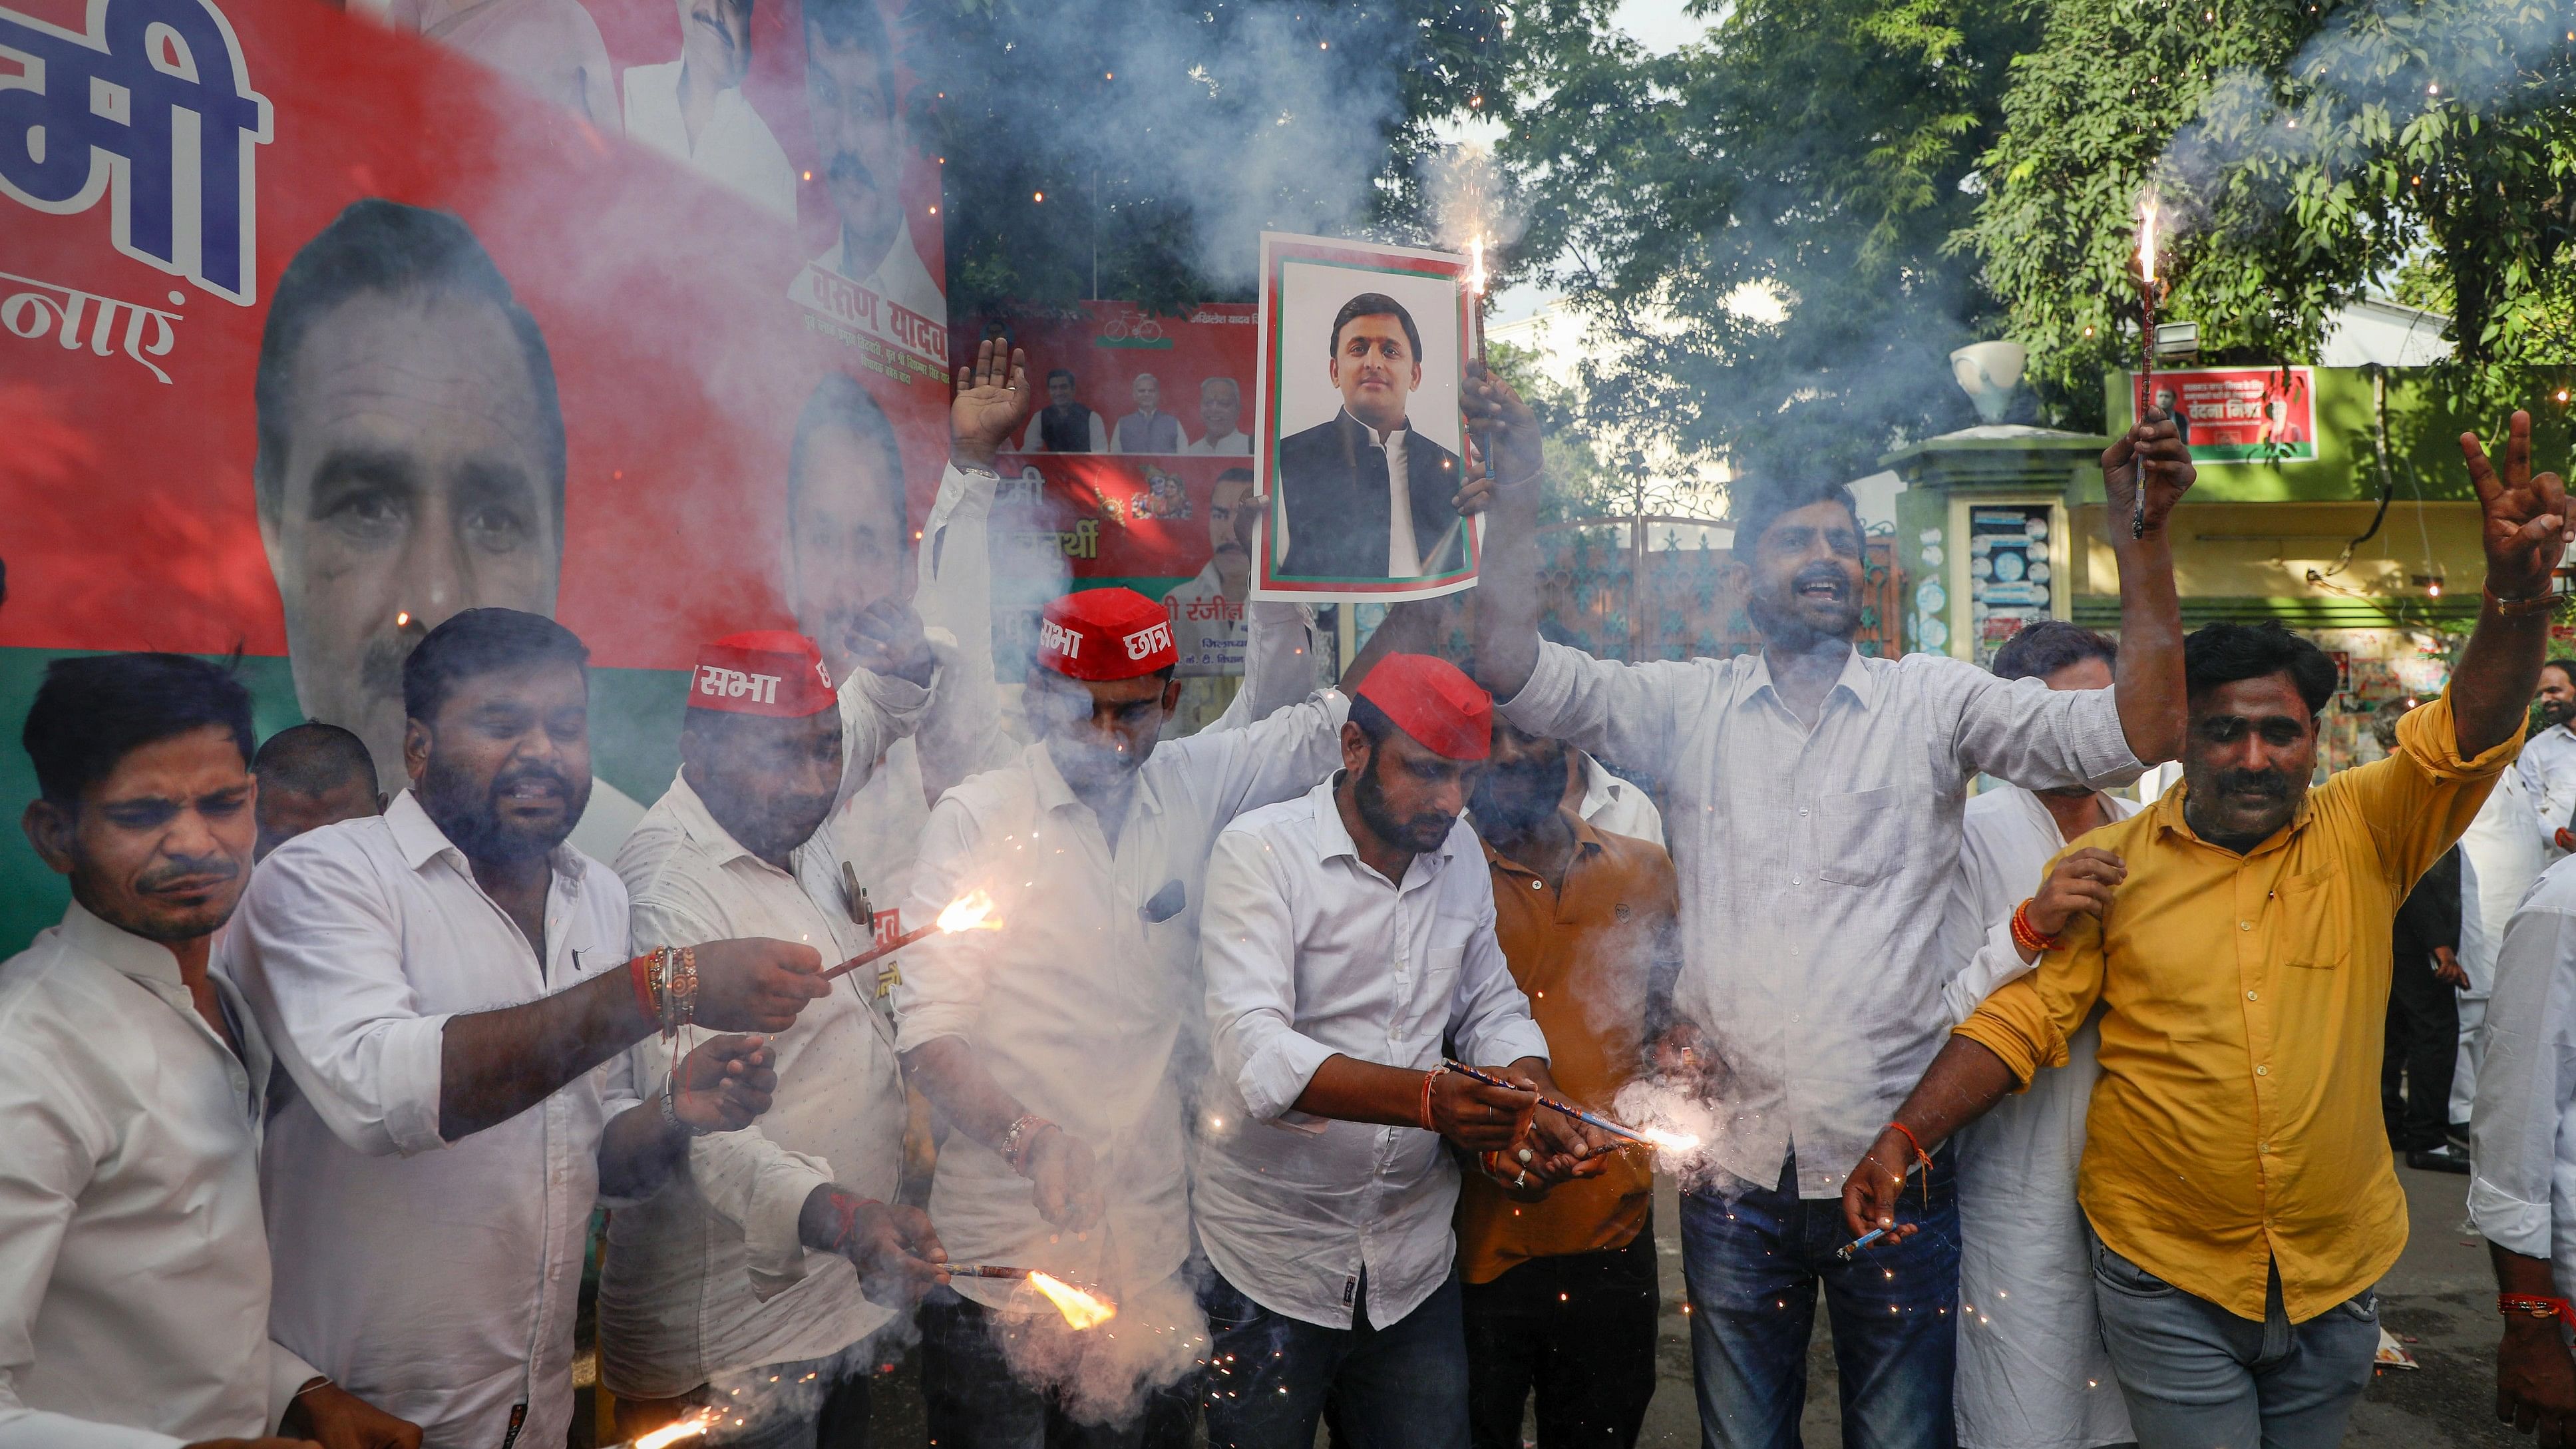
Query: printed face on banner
[
  {"x": 1363, "y": 350},
  {"x": 2241, "y": 414},
  {"x": 422, "y": 331}
]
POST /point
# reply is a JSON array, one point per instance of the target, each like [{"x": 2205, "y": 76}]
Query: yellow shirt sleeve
[
  {"x": 2420, "y": 800},
  {"x": 2027, "y": 1021}
]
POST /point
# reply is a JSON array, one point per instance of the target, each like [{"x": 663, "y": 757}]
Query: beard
[
  {"x": 2556, "y": 712},
  {"x": 1514, "y": 800},
  {"x": 1420, "y": 834},
  {"x": 1793, "y": 624},
  {"x": 468, "y": 811}
]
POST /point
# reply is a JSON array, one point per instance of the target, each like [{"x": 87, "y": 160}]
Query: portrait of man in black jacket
[{"x": 1339, "y": 480}]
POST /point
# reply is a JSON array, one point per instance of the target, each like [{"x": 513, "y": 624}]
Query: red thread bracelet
[
  {"x": 1919, "y": 1156},
  {"x": 2027, "y": 935},
  {"x": 1427, "y": 1079},
  {"x": 639, "y": 973},
  {"x": 2524, "y": 1305}
]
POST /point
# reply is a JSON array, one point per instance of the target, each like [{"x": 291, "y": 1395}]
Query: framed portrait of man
[{"x": 1361, "y": 449}]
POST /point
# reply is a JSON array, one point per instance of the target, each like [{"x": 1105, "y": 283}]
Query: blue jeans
[
  {"x": 2196, "y": 1376},
  {"x": 1271, "y": 1377},
  {"x": 1752, "y": 1264}
]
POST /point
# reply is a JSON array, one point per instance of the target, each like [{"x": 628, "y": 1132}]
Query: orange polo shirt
[{"x": 1583, "y": 955}]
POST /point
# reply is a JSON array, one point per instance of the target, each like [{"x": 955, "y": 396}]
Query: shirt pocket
[
  {"x": 1860, "y": 837},
  {"x": 1439, "y": 993},
  {"x": 2315, "y": 926}
]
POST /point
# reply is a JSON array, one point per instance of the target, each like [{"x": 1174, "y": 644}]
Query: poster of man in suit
[{"x": 1362, "y": 447}]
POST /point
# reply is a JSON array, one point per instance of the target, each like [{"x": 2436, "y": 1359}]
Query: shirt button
[
  {"x": 1802, "y": 809},
  {"x": 2250, "y": 996},
  {"x": 1793, "y": 880},
  {"x": 2262, "y": 1071},
  {"x": 2245, "y": 925}
]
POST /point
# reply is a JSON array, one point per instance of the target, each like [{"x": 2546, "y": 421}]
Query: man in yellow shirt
[{"x": 2236, "y": 935}]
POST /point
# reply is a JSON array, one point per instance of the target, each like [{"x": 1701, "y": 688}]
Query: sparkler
[
  {"x": 1476, "y": 289},
  {"x": 1080, "y": 1309},
  {"x": 672, "y": 1433},
  {"x": 970, "y": 912},
  {"x": 1873, "y": 1235},
  {"x": 2146, "y": 348},
  {"x": 1660, "y": 1138}
]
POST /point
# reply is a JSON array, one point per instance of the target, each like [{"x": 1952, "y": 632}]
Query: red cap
[
  {"x": 1106, "y": 634},
  {"x": 773, "y": 672},
  {"x": 1433, "y": 701}
]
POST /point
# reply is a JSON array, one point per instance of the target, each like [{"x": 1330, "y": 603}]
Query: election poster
[
  {"x": 2240, "y": 414},
  {"x": 1362, "y": 447},
  {"x": 323, "y": 326}
]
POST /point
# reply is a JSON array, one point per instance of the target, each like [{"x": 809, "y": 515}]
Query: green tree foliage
[
  {"x": 2307, "y": 154},
  {"x": 1165, "y": 135},
  {"x": 1756, "y": 225}
]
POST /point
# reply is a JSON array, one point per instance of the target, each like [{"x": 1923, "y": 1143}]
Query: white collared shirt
[
  {"x": 1236, "y": 443},
  {"x": 898, "y": 276},
  {"x": 435, "y": 1280},
  {"x": 1085, "y": 1004},
  {"x": 134, "y": 1275},
  {"x": 1815, "y": 863},
  {"x": 1403, "y": 556},
  {"x": 2548, "y": 767},
  {"x": 709, "y": 1274},
  {"x": 2033, "y": 1373},
  {"x": 1310, "y": 954},
  {"x": 2522, "y": 1128},
  {"x": 734, "y": 147},
  {"x": 1613, "y": 805}
]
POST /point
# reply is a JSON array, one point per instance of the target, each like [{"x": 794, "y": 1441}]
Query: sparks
[
  {"x": 402, "y": 618},
  {"x": 1476, "y": 264},
  {"x": 1667, "y": 1140},
  {"x": 2147, "y": 241},
  {"x": 972, "y": 911},
  {"x": 1080, "y": 1309},
  {"x": 688, "y": 1428}
]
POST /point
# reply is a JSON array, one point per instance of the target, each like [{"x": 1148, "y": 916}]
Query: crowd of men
[{"x": 2066, "y": 1104}]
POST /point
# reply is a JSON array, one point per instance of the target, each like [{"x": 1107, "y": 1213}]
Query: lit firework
[
  {"x": 1080, "y": 1309},
  {"x": 972, "y": 911}
]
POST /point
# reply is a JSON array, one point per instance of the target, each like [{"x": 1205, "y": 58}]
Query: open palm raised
[{"x": 993, "y": 399}]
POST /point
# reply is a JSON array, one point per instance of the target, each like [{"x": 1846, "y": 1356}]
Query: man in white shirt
[
  {"x": 1091, "y": 843},
  {"x": 740, "y": 1273},
  {"x": 1220, "y": 414},
  {"x": 1348, "y": 932},
  {"x": 1148, "y": 429},
  {"x": 429, "y": 1189},
  {"x": 2548, "y": 760},
  {"x": 860, "y": 146},
  {"x": 2500, "y": 858},
  {"x": 1816, "y": 798},
  {"x": 693, "y": 108},
  {"x": 1364, "y": 495},
  {"x": 2522, "y": 1149},
  {"x": 2033, "y": 1373},
  {"x": 134, "y": 1276}
]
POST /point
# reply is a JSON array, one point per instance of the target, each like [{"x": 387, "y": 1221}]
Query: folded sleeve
[
  {"x": 2027, "y": 1021},
  {"x": 2037, "y": 737},
  {"x": 1247, "y": 947},
  {"x": 942, "y": 990},
  {"x": 1996, "y": 962},
  {"x": 2419, "y": 801},
  {"x": 1628, "y": 714},
  {"x": 320, "y": 965},
  {"x": 2525, "y": 1085}
]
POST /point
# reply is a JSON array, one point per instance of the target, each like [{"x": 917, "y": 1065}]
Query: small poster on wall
[
  {"x": 1362, "y": 446},
  {"x": 2241, "y": 414}
]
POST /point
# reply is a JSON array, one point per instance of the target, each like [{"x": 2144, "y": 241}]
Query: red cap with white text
[
  {"x": 1106, "y": 634},
  {"x": 774, "y": 672}
]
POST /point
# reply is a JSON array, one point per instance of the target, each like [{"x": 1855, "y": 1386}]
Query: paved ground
[{"x": 2440, "y": 1298}]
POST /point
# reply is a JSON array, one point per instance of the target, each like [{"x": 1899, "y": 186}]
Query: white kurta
[
  {"x": 2548, "y": 768},
  {"x": 434, "y": 1279},
  {"x": 2500, "y": 857},
  {"x": 2033, "y": 1373},
  {"x": 134, "y": 1278},
  {"x": 2522, "y": 1132}
]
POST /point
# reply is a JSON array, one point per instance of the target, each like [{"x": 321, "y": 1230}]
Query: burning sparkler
[
  {"x": 1662, "y": 1139},
  {"x": 672, "y": 1433},
  {"x": 2146, "y": 347},
  {"x": 1080, "y": 1309},
  {"x": 1476, "y": 289},
  {"x": 972, "y": 911}
]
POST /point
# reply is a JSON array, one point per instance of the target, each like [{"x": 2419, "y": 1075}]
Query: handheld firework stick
[
  {"x": 970, "y": 912},
  {"x": 981, "y": 1270},
  {"x": 1653, "y": 1137},
  {"x": 1844, "y": 1253},
  {"x": 2146, "y": 354}
]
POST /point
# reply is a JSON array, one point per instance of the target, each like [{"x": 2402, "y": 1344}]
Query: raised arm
[
  {"x": 2148, "y": 681},
  {"x": 2527, "y": 531},
  {"x": 1507, "y": 601}
]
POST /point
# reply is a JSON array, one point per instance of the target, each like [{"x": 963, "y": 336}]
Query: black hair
[
  {"x": 1759, "y": 505},
  {"x": 312, "y": 758},
  {"x": 856, "y": 23},
  {"x": 2217, "y": 654},
  {"x": 1374, "y": 304},
  {"x": 2043, "y": 648},
  {"x": 838, "y": 401},
  {"x": 2563, "y": 666},
  {"x": 1063, "y": 372},
  {"x": 94, "y": 710},
  {"x": 479, "y": 642},
  {"x": 1235, "y": 475},
  {"x": 1373, "y": 721},
  {"x": 380, "y": 247}
]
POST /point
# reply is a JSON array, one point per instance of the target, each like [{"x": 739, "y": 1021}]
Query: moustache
[
  {"x": 212, "y": 869},
  {"x": 380, "y": 665},
  {"x": 512, "y": 779},
  {"x": 846, "y": 169},
  {"x": 1820, "y": 573},
  {"x": 2271, "y": 784}
]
